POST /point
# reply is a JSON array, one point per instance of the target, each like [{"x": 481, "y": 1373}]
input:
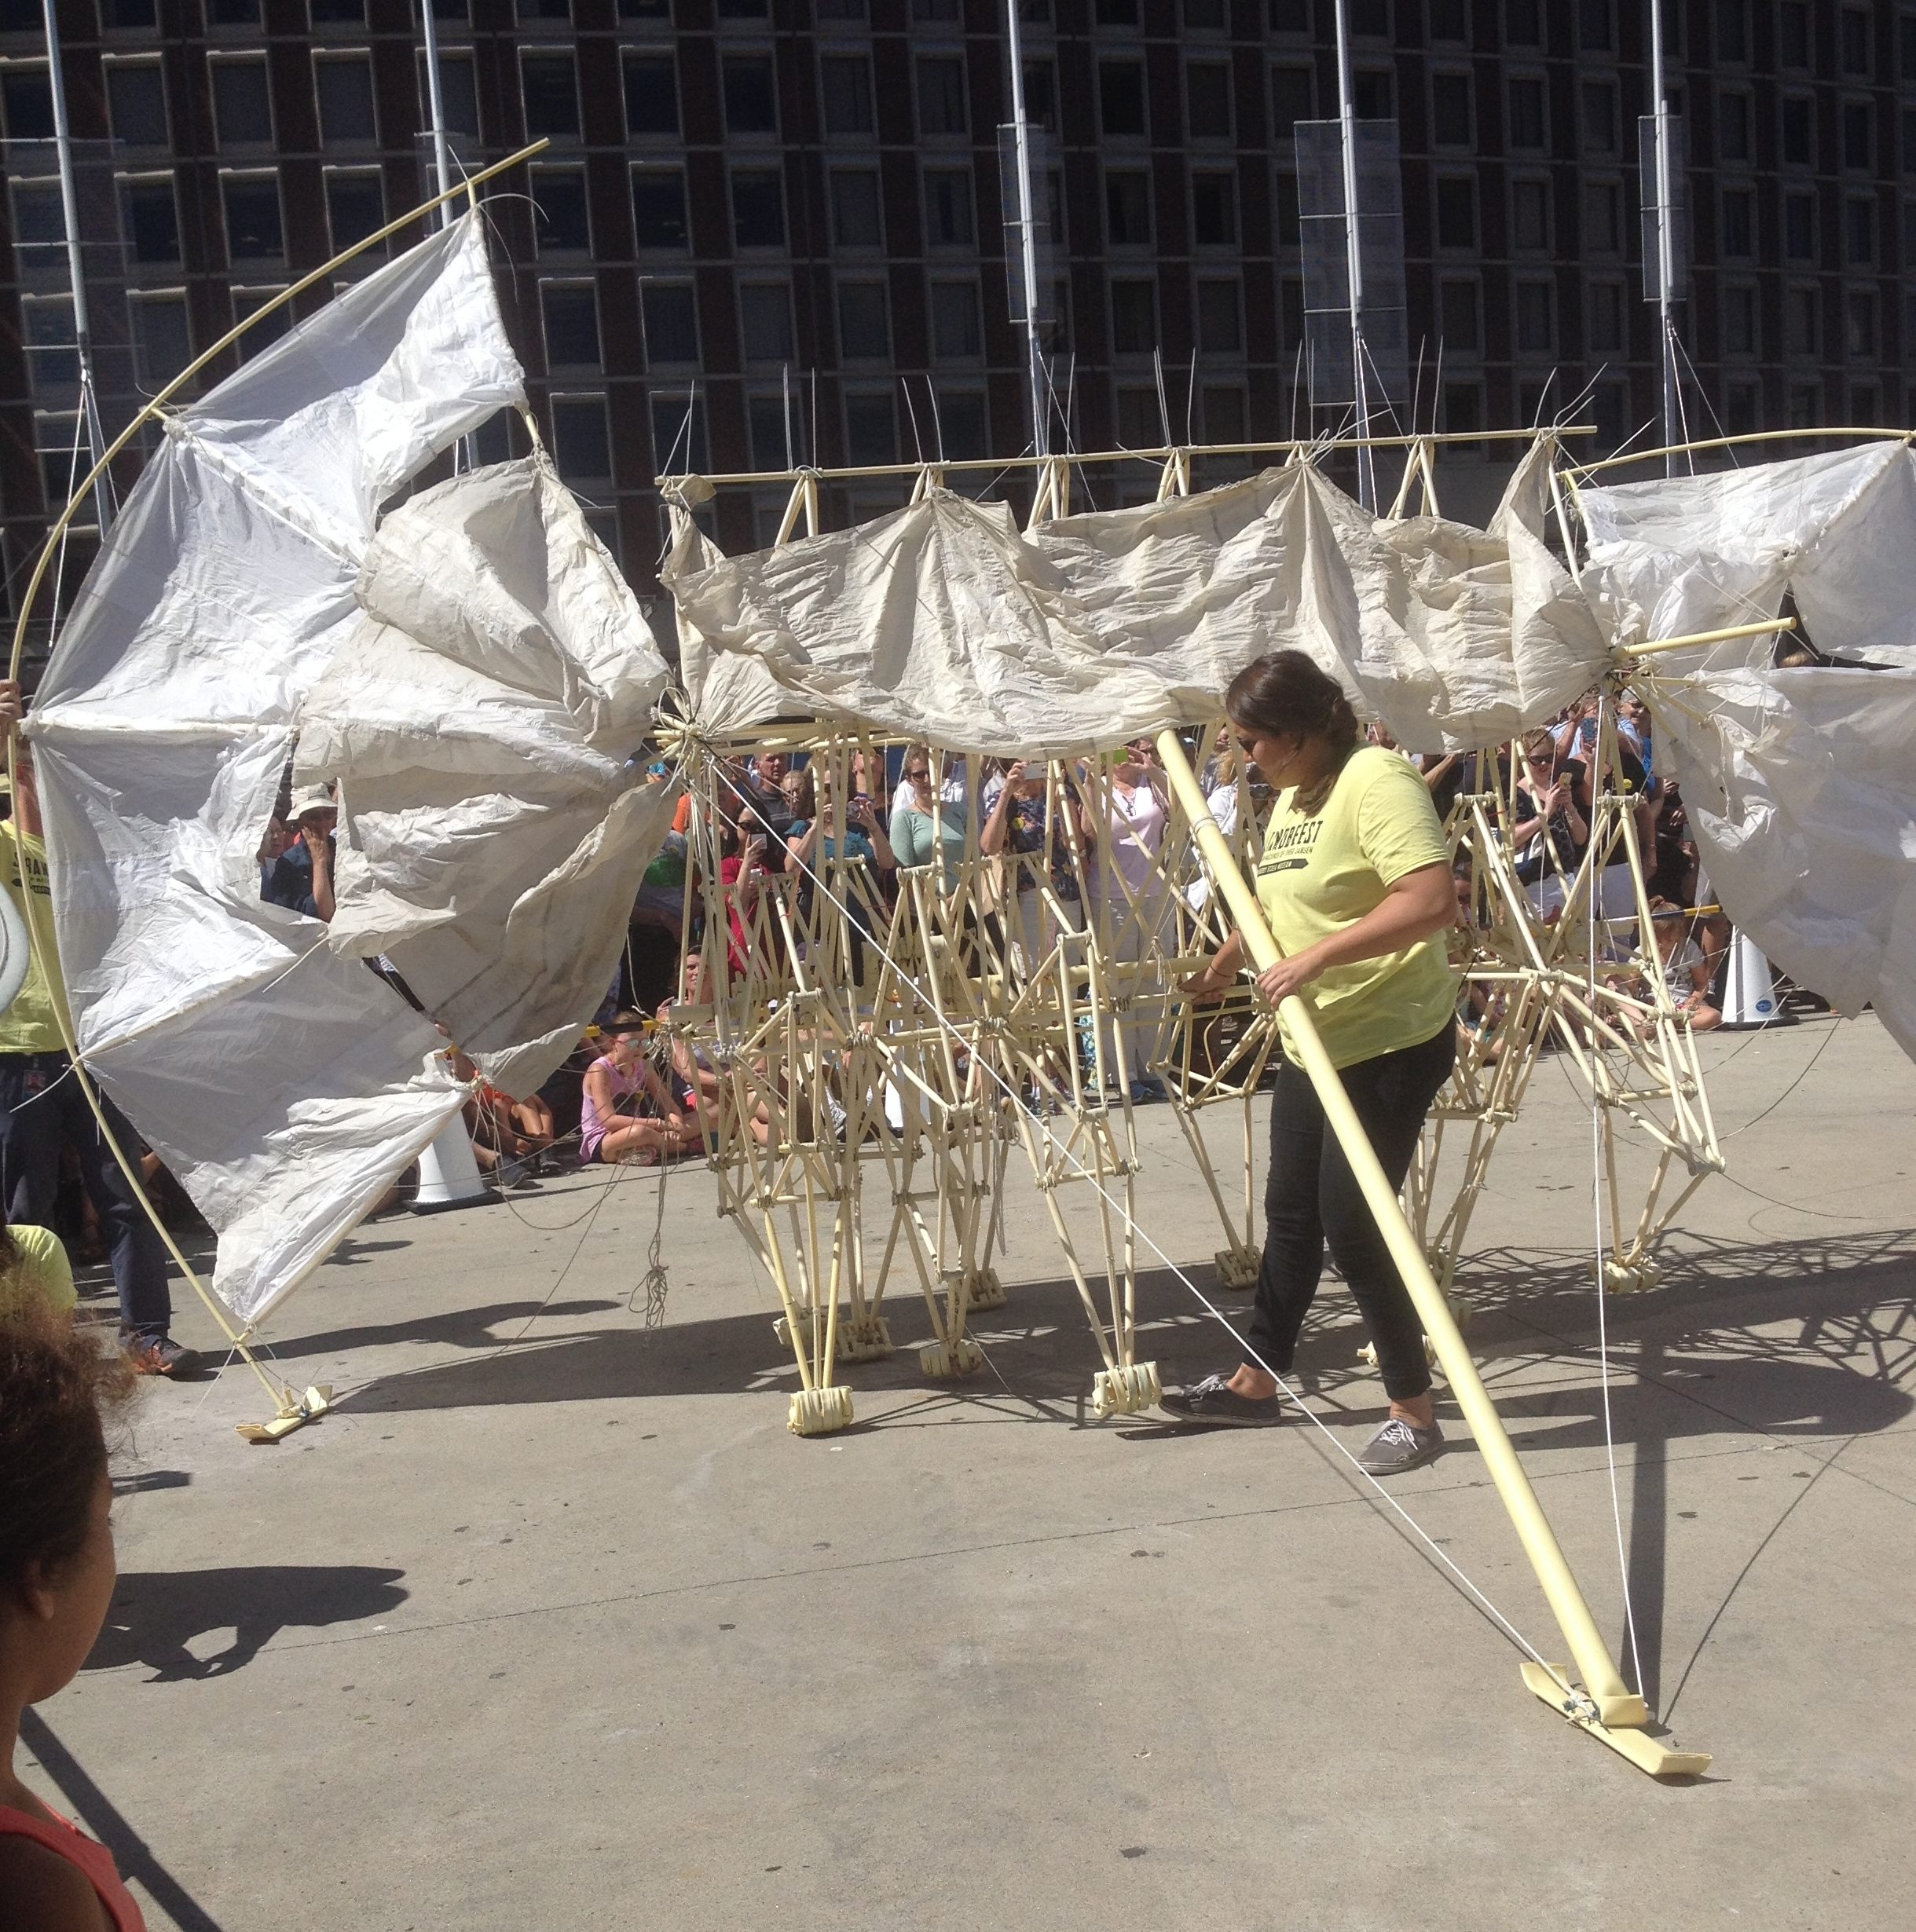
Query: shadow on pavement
[{"x": 156, "y": 1614}]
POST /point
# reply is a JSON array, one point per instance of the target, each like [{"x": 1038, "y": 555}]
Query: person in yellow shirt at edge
[
  {"x": 1355, "y": 880},
  {"x": 42, "y": 1107}
]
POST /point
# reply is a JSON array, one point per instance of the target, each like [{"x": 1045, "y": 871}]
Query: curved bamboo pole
[
  {"x": 1616, "y": 1705},
  {"x": 290, "y": 1409}
]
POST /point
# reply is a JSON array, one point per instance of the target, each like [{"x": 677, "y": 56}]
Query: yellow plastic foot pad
[
  {"x": 819, "y": 1411},
  {"x": 1643, "y": 1751},
  {"x": 1237, "y": 1268},
  {"x": 1631, "y": 1277},
  {"x": 316, "y": 1402},
  {"x": 1127, "y": 1391},
  {"x": 943, "y": 1360},
  {"x": 983, "y": 1289},
  {"x": 864, "y": 1339}
]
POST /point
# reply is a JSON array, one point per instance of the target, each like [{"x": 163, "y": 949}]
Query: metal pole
[
  {"x": 1666, "y": 254},
  {"x": 435, "y": 106},
  {"x": 1027, "y": 241},
  {"x": 76, "y": 274},
  {"x": 1347, "y": 130}
]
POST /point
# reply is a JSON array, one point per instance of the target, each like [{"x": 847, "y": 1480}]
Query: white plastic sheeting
[
  {"x": 943, "y": 620},
  {"x": 1800, "y": 785},
  {"x": 493, "y": 832},
  {"x": 284, "y": 1083}
]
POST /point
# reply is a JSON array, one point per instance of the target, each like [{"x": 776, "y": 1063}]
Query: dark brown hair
[
  {"x": 54, "y": 1381},
  {"x": 1284, "y": 695}
]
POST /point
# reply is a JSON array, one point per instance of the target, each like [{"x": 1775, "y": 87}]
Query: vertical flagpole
[
  {"x": 435, "y": 108},
  {"x": 1666, "y": 250},
  {"x": 1347, "y": 129},
  {"x": 1027, "y": 240},
  {"x": 70, "y": 221}
]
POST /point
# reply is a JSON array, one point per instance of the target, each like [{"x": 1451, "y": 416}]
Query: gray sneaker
[
  {"x": 1213, "y": 1402},
  {"x": 1398, "y": 1446}
]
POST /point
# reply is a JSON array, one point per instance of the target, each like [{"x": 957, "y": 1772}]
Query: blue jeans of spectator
[{"x": 42, "y": 1108}]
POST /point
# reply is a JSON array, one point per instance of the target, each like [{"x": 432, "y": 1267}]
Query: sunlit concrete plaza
[{"x": 552, "y": 1623}]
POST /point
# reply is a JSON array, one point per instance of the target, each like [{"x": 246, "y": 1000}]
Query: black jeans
[
  {"x": 42, "y": 1107},
  {"x": 1312, "y": 1195}
]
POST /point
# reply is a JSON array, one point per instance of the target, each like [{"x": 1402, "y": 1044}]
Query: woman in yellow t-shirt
[
  {"x": 1355, "y": 880},
  {"x": 36, "y": 1279}
]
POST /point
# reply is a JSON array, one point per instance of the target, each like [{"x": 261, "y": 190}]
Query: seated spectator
[
  {"x": 56, "y": 1576},
  {"x": 509, "y": 1129},
  {"x": 36, "y": 1279},
  {"x": 301, "y": 879},
  {"x": 613, "y": 1126},
  {"x": 1684, "y": 966}
]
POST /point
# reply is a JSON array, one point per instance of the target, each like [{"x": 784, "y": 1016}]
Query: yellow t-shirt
[
  {"x": 29, "y": 1025},
  {"x": 41, "y": 1280},
  {"x": 1316, "y": 875}
]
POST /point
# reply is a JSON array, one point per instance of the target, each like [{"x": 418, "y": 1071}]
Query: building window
[
  {"x": 531, "y": 11},
  {"x": 855, "y": 222},
  {"x": 1799, "y": 143},
  {"x": 1373, "y": 94},
  {"x": 1803, "y": 406},
  {"x": 670, "y": 313},
  {"x": 1207, "y": 16},
  {"x": 1596, "y": 26},
  {"x": 948, "y": 217},
  {"x": 1859, "y": 324},
  {"x": 344, "y": 84},
  {"x": 1294, "y": 92},
  {"x": 1453, "y": 121},
  {"x": 765, "y": 321},
  {"x": 956, "y": 334},
  {"x": 1800, "y": 228},
  {"x": 758, "y": 208},
  {"x": 1041, "y": 94},
  {"x": 1290, "y": 227},
  {"x": 1457, "y": 211},
  {"x": 1740, "y": 336},
  {"x": 1603, "y": 313},
  {"x": 581, "y": 440},
  {"x": 679, "y": 434},
  {"x": 1859, "y": 231},
  {"x": 252, "y": 205},
  {"x": 1853, "y": 41},
  {"x": 1224, "y": 415},
  {"x": 658, "y": 208},
  {"x": 1214, "y": 209},
  {"x": 1800, "y": 330},
  {"x": 871, "y": 428},
  {"x": 136, "y": 100},
  {"x": 1739, "y": 223},
  {"x": 1528, "y": 125},
  {"x": 1141, "y": 423},
  {"x": 1733, "y": 135},
  {"x": 231, "y": 13},
  {"x": 242, "y": 104},
  {"x": 152, "y": 220},
  {"x": 766, "y": 433},
  {"x": 1121, "y": 98},
  {"x": 1529, "y": 213},
  {"x": 962, "y": 435},
  {"x": 1460, "y": 315},
  {"x": 1290, "y": 16},
  {"x": 1207, "y": 100},
  {"x": 355, "y": 205},
  {"x": 864, "y": 322},
  {"x": 1602, "y": 217},
  {"x": 931, "y": 11},
  {"x": 1908, "y": 121},
  {"x": 248, "y": 302},
  {"x": 1865, "y": 403},
  {"x": 845, "y": 85},
  {"x": 550, "y": 84},
  {"x": 1537, "y": 322},
  {"x": 751, "y": 95},
  {"x": 570, "y": 312},
  {"x": 1599, "y": 106},
  {"x": 1733, "y": 30},
  {"x": 337, "y": 12},
  {"x": 459, "y": 93},
  {"x": 1463, "y": 409},
  {"x": 559, "y": 222},
  {"x": 1133, "y": 317},
  {"x": 162, "y": 340},
  {"x": 1859, "y": 135},
  {"x": 1127, "y": 208},
  {"x": 1523, "y": 22},
  {"x": 651, "y": 94},
  {"x": 1742, "y": 407},
  {"x": 1449, "y": 20},
  {"x": 941, "y": 95},
  {"x": 1220, "y": 317}
]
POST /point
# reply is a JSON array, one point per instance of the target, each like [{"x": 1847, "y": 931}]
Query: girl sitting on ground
[
  {"x": 36, "y": 1279},
  {"x": 56, "y": 1576},
  {"x": 618, "y": 1085}
]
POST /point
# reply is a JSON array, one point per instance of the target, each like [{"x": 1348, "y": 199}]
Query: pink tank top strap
[{"x": 70, "y": 1842}]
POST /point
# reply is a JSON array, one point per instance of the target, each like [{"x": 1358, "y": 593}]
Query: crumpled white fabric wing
[
  {"x": 493, "y": 828},
  {"x": 1800, "y": 785},
  {"x": 944, "y": 621},
  {"x": 284, "y": 1085}
]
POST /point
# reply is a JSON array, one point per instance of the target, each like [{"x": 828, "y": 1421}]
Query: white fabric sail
[
  {"x": 493, "y": 828},
  {"x": 943, "y": 620},
  {"x": 284, "y": 1083}
]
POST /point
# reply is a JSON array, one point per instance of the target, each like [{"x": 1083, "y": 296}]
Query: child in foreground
[{"x": 56, "y": 1576}]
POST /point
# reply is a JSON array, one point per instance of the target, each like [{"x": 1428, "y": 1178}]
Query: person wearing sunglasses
[
  {"x": 928, "y": 815},
  {"x": 1354, "y": 880}
]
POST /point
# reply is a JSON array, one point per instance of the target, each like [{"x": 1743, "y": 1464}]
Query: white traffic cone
[
  {"x": 448, "y": 1175},
  {"x": 1749, "y": 998}
]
